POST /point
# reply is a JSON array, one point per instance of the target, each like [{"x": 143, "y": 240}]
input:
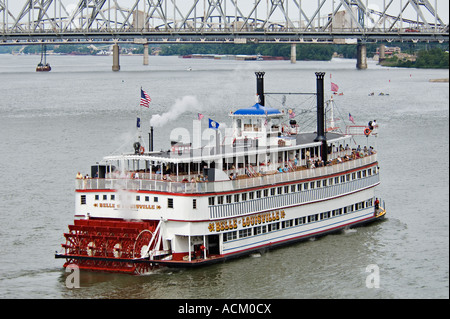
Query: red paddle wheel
[{"x": 111, "y": 246}]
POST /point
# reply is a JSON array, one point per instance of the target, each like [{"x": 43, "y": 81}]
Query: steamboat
[{"x": 192, "y": 205}]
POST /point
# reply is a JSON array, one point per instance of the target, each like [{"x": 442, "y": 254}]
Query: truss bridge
[{"x": 221, "y": 21}]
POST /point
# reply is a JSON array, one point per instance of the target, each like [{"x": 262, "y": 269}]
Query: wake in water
[{"x": 349, "y": 231}]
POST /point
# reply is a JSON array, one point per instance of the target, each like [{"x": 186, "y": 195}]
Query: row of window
[
  {"x": 228, "y": 199},
  {"x": 247, "y": 232},
  {"x": 138, "y": 198}
]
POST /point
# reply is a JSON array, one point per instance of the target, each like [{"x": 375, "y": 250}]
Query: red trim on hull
[{"x": 136, "y": 266}]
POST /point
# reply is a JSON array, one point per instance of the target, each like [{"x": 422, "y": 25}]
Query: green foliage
[{"x": 435, "y": 58}]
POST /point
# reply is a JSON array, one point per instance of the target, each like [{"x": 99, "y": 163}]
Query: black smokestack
[
  {"x": 150, "y": 139},
  {"x": 321, "y": 116},
  {"x": 260, "y": 86}
]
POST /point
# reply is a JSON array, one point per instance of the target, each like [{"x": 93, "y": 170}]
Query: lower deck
[{"x": 234, "y": 236}]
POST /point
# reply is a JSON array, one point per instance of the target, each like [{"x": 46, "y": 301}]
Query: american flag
[
  {"x": 350, "y": 117},
  {"x": 145, "y": 99},
  {"x": 334, "y": 87}
]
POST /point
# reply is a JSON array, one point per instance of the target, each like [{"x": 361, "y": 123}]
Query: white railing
[{"x": 220, "y": 186}]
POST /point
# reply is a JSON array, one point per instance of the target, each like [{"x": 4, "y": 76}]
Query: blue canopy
[{"x": 257, "y": 109}]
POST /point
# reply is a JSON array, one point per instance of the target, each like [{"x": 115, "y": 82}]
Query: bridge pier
[
  {"x": 293, "y": 53},
  {"x": 116, "y": 65},
  {"x": 145, "y": 54},
  {"x": 382, "y": 55},
  {"x": 361, "y": 56}
]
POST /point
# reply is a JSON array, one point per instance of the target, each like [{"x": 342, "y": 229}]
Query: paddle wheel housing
[{"x": 111, "y": 245}]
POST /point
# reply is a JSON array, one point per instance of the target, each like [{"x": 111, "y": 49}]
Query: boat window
[
  {"x": 280, "y": 190},
  {"x": 244, "y": 196},
  {"x": 258, "y": 194},
  {"x": 359, "y": 174},
  {"x": 324, "y": 215},
  {"x": 251, "y": 195},
  {"x": 288, "y": 223},
  {"x": 324, "y": 182},
  {"x": 301, "y": 220},
  {"x": 230, "y": 236},
  {"x": 353, "y": 175},
  {"x": 245, "y": 233},
  {"x": 219, "y": 200},
  {"x": 311, "y": 185},
  {"x": 147, "y": 198},
  {"x": 97, "y": 197},
  {"x": 211, "y": 201},
  {"x": 292, "y": 188},
  {"x": 236, "y": 198},
  {"x": 105, "y": 197},
  {"x": 155, "y": 199},
  {"x": 286, "y": 189},
  {"x": 170, "y": 203},
  {"x": 229, "y": 199},
  {"x": 299, "y": 187},
  {"x": 272, "y": 191},
  {"x": 138, "y": 198},
  {"x": 336, "y": 180},
  {"x": 266, "y": 192},
  {"x": 194, "y": 204},
  {"x": 83, "y": 199},
  {"x": 305, "y": 186},
  {"x": 113, "y": 197},
  {"x": 342, "y": 179},
  {"x": 364, "y": 173},
  {"x": 330, "y": 180},
  {"x": 318, "y": 183}
]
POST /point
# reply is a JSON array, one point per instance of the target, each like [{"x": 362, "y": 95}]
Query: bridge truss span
[{"x": 236, "y": 21}]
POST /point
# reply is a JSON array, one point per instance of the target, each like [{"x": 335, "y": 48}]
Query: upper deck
[{"x": 242, "y": 177}]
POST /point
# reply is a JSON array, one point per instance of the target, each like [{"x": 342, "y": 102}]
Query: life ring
[
  {"x": 367, "y": 132},
  {"x": 141, "y": 150}
]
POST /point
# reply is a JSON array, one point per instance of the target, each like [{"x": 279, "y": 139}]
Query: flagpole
[{"x": 139, "y": 114}]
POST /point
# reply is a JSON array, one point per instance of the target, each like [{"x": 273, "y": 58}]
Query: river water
[{"x": 54, "y": 124}]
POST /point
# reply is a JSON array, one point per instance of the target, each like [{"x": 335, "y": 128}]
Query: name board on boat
[
  {"x": 133, "y": 206},
  {"x": 248, "y": 221}
]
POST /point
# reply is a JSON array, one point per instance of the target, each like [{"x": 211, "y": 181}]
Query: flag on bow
[
  {"x": 200, "y": 116},
  {"x": 145, "y": 99}
]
